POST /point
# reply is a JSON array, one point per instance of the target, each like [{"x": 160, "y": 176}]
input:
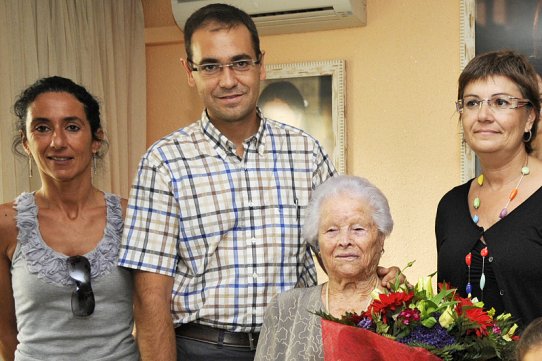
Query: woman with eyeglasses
[
  {"x": 62, "y": 296},
  {"x": 489, "y": 230}
]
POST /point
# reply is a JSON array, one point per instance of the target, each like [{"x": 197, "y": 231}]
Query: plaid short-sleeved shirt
[{"x": 227, "y": 228}]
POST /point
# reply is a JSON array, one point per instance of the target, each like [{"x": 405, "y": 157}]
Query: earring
[
  {"x": 29, "y": 166},
  {"x": 528, "y": 138},
  {"x": 94, "y": 163}
]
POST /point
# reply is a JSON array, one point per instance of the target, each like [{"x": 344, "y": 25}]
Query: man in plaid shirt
[{"x": 213, "y": 226}]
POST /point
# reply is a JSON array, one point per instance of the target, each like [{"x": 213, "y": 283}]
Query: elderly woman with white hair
[{"x": 346, "y": 222}]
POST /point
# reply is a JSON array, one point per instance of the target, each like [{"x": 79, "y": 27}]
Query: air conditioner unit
[{"x": 287, "y": 16}]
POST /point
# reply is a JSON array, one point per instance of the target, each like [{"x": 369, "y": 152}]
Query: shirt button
[
  {"x": 255, "y": 275},
  {"x": 501, "y": 292},
  {"x": 251, "y": 241},
  {"x": 490, "y": 259}
]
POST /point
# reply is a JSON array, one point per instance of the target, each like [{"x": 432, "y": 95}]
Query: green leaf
[{"x": 429, "y": 322}]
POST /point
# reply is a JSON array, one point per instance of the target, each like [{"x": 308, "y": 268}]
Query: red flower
[
  {"x": 477, "y": 316},
  {"x": 389, "y": 302},
  {"x": 462, "y": 302},
  {"x": 409, "y": 316},
  {"x": 444, "y": 286}
]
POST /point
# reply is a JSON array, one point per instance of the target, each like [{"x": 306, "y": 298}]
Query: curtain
[{"x": 98, "y": 44}]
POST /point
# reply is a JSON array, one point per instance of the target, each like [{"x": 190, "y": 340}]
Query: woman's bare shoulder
[
  {"x": 7, "y": 214},
  {"x": 8, "y": 226}
]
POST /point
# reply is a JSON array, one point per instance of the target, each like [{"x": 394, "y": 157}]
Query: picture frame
[
  {"x": 319, "y": 86},
  {"x": 467, "y": 52}
]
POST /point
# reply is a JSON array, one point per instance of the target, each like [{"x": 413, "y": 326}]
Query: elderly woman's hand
[{"x": 388, "y": 275}]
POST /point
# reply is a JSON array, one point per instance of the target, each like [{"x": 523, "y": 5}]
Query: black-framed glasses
[
  {"x": 82, "y": 297},
  {"x": 238, "y": 66},
  {"x": 497, "y": 103}
]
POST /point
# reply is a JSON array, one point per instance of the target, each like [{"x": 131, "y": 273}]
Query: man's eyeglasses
[
  {"x": 238, "y": 66},
  {"x": 82, "y": 297},
  {"x": 498, "y": 103}
]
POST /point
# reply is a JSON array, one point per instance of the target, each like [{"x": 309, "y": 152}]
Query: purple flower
[
  {"x": 436, "y": 336},
  {"x": 365, "y": 323}
]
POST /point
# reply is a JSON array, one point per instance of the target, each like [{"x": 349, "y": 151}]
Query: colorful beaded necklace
[
  {"x": 504, "y": 212},
  {"x": 468, "y": 260}
]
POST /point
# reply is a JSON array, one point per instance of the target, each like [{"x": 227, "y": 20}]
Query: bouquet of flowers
[{"x": 445, "y": 324}]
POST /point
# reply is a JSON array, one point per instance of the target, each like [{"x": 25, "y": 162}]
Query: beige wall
[{"x": 402, "y": 133}]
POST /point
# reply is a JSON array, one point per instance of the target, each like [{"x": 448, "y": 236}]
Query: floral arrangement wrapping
[{"x": 418, "y": 324}]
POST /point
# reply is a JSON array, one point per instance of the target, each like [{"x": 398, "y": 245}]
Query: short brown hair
[{"x": 223, "y": 14}]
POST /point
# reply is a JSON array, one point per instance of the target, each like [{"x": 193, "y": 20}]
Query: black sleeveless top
[{"x": 513, "y": 267}]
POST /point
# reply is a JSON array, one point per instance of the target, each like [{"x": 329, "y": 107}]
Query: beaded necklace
[
  {"x": 504, "y": 212},
  {"x": 468, "y": 260}
]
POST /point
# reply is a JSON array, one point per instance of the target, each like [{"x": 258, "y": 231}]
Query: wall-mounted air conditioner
[{"x": 287, "y": 16}]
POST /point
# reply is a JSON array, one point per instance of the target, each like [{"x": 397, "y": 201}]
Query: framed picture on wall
[
  {"x": 506, "y": 24},
  {"x": 309, "y": 96},
  {"x": 466, "y": 52}
]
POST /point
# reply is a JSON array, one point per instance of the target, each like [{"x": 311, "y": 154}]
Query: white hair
[{"x": 356, "y": 187}]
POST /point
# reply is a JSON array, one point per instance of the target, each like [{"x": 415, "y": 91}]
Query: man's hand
[{"x": 388, "y": 276}]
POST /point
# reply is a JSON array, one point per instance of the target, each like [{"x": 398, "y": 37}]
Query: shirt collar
[{"x": 221, "y": 141}]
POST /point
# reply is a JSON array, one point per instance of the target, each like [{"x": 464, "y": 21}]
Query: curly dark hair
[{"x": 55, "y": 84}]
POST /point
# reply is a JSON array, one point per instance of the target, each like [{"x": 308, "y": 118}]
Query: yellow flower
[
  {"x": 504, "y": 316},
  {"x": 425, "y": 284},
  {"x": 446, "y": 320},
  {"x": 510, "y": 333},
  {"x": 491, "y": 312}
]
